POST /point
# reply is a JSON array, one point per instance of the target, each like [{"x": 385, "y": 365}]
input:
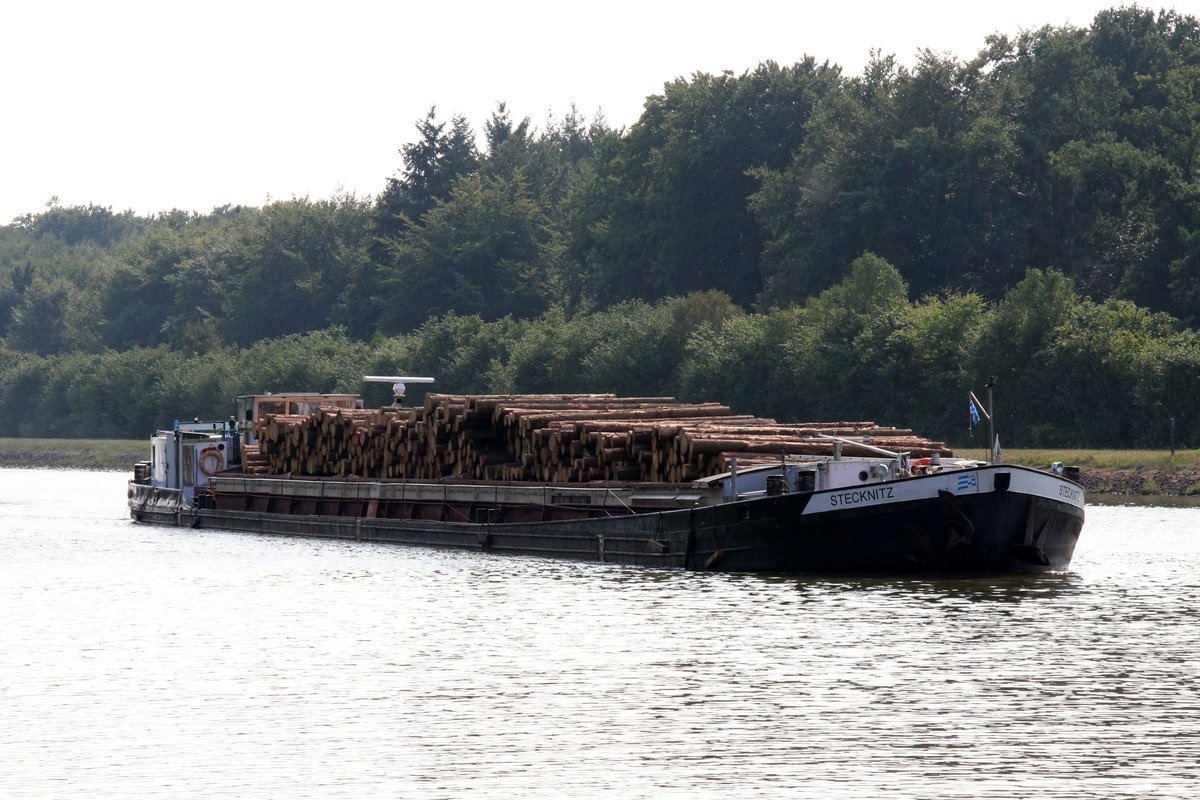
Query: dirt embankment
[
  {"x": 30, "y": 459},
  {"x": 67, "y": 459},
  {"x": 1141, "y": 481}
]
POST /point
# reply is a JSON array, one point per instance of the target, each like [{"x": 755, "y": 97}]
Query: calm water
[{"x": 150, "y": 662}]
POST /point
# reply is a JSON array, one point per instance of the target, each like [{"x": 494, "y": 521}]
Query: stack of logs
[{"x": 551, "y": 438}]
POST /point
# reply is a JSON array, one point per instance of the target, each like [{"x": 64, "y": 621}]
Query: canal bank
[{"x": 91, "y": 454}]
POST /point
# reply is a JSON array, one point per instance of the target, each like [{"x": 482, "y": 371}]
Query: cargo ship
[{"x": 825, "y": 503}]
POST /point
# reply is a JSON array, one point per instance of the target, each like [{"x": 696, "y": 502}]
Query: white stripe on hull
[{"x": 959, "y": 482}]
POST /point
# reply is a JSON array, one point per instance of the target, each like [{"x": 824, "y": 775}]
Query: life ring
[{"x": 212, "y": 461}]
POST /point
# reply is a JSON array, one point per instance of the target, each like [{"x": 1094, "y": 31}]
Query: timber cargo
[{"x": 644, "y": 481}]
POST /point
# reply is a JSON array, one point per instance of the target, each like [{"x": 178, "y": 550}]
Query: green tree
[
  {"x": 318, "y": 361},
  {"x": 487, "y": 251},
  {"x": 1110, "y": 226},
  {"x": 12, "y": 291},
  {"x": 289, "y": 267},
  {"x": 1012, "y": 346},
  {"x": 919, "y": 166},
  {"x": 461, "y": 353},
  {"x": 669, "y": 200},
  {"x": 1108, "y": 366},
  {"x": 932, "y": 366},
  {"x": 75, "y": 225},
  {"x": 40, "y": 324},
  {"x": 746, "y": 366},
  {"x": 841, "y": 359},
  {"x": 166, "y": 286},
  {"x": 442, "y": 153}
]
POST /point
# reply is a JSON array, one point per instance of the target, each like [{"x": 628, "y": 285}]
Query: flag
[{"x": 973, "y": 411}]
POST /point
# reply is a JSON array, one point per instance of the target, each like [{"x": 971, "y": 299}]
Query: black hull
[{"x": 996, "y": 532}]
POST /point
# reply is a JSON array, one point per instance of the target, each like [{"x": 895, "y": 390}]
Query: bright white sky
[{"x": 151, "y": 105}]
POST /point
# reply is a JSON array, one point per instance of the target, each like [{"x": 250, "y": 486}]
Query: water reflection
[
  {"x": 1144, "y": 500},
  {"x": 1007, "y": 589}
]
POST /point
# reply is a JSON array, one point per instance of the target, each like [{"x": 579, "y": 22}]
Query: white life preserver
[{"x": 212, "y": 461}]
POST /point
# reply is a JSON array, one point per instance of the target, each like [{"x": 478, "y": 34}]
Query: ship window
[
  {"x": 266, "y": 407},
  {"x": 189, "y": 466}
]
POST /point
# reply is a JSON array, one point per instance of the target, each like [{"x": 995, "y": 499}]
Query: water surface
[{"x": 152, "y": 662}]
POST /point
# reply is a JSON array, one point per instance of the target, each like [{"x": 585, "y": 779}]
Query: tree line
[
  {"x": 1071, "y": 371},
  {"x": 736, "y": 214}
]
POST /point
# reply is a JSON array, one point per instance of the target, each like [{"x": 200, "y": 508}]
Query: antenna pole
[{"x": 990, "y": 385}]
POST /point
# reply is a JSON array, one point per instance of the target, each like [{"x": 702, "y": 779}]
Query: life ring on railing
[{"x": 212, "y": 461}]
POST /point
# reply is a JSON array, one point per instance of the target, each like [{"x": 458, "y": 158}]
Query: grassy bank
[
  {"x": 1116, "y": 472},
  {"x": 1096, "y": 459},
  {"x": 115, "y": 454}
]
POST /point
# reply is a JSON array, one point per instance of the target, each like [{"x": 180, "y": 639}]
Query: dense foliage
[
  {"x": 793, "y": 241},
  {"x": 1071, "y": 371}
]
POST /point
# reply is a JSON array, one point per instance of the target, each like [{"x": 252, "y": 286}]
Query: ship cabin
[{"x": 188, "y": 455}]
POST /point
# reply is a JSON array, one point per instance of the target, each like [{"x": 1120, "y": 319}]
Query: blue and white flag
[{"x": 974, "y": 411}]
